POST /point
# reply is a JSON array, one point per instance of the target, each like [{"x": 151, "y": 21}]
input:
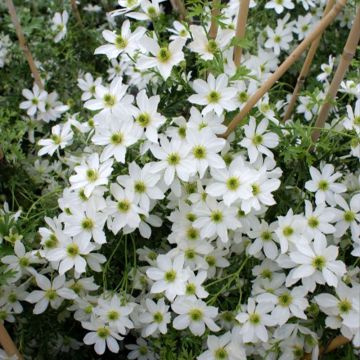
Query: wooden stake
[
  {"x": 333, "y": 345},
  {"x": 347, "y": 55},
  {"x": 179, "y": 6},
  {"x": 240, "y": 28},
  {"x": 23, "y": 44},
  {"x": 76, "y": 12},
  {"x": 306, "y": 67},
  {"x": 215, "y": 11},
  {"x": 7, "y": 343},
  {"x": 322, "y": 25}
]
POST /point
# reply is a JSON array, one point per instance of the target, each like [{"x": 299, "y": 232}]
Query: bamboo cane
[
  {"x": 306, "y": 67},
  {"x": 23, "y": 45},
  {"x": 347, "y": 55},
  {"x": 215, "y": 11},
  {"x": 322, "y": 25},
  {"x": 76, "y": 12},
  {"x": 333, "y": 345},
  {"x": 180, "y": 7},
  {"x": 7, "y": 343},
  {"x": 240, "y": 28}
]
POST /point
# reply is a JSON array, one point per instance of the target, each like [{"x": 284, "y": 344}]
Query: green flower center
[
  {"x": 173, "y": 159},
  {"x": 232, "y": 183},
  {"x": 120, "y": 42},
  {"x": 113, "y": 315},
  {"x": 277, "y": 39},
  {"x": 182, "y": 131},
  {"x": 357, "y": 120},
  {"x": 266, "y": 236},
  {"x": 349, "y": 216},
  {"x": 103, "y": 332},
  {"x": 72, "y": 250},
  {"x": 196, "y": 314},
  {"x": 221, "y": 354},
  {"x": 12, "y": 298},
  {"x": 139, "y": 187},
  {"x": 164, "y": 55},
  {"x": 192, "y": 233},
  {"x": 288, "y": 231},
  {"x": 56, "y": 139},
  {"x": 92, "y": 175},
  {"x": 50, "y": 294},
  {"x": 344, "y": 306},
  {"x": 212, "y": 46},
  {"x": 257, "y": 140},
  {"x": 213, "y": 97},
  {"x": 109, "y": 100},
  {"x": 285, "y": 299},
  {"x": 266, "y": 274},
  {"x": 143, "y": 350},
  {"x": 319, "y": 262},
  {"x": 190, "y": 254},
  {"x": 24, "y": 262},
  {"x": 191, "y": 217},
  {"x": 199, "y": 152},
  {"x": 87, "y": 224},
  {"x": 216, "y": 216},
  {"x": 243, "y": 96},
  {"x": 143, "y": 119},
  {"x": 255, "y": 189},
  {"x": 170, "y": 276},
  {"x": 254, "y": 319},
  {"x": 152, "y": 13},
  {"x": 123, "y": 206},
  {"x": 323, "y": 185},
  {"x": 158, "y": 317},
  {"x": 51, "y": 242},
  {"x": 117, "y": 138},
  {"x": 190, "y": 289},
  {"x": 34, "y": 101},
  {"x": 211, "y": 260},
  {"x": 313, "y": 222}
]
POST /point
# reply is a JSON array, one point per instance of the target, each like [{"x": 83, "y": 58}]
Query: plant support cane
[
  {"x": 7, "y": 343},
  {"x": 76, "y": 12},
  {"x": 23, "y": 44},
  {"x": 306, "y": 67},
  {"x": 322, "y": 25},
  {"x": 333, "y": 345},
  {"x": 215, "y": 11},
  {"x": 240, "y": 28},
  {"x": 179, "y": 6},
  {"x": 347, "y": 55}
]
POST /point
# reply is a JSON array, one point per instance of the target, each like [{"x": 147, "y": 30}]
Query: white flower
[
  {"x": 61, "y": 136},
  {"x": 348, "y": 217},
  {"x": 352, "y": 121},
  {"x": 91, "y": 173},
  {"x": 215, "y": 219},
  {"x": 257, "y": 141},
  {"x": 194, "y": 285},
  {"x": 287, "y": 303},
  {"x": 115, "y": 313},
  {"x": 101, "y": 335},
  {"x": 150, "y": 11},
  {"x": 303, "y": 25},
  {"x": 169, "y": 276},
  {"x": 324, "y": 185},
  {"x": 205, "y": 147},
  {"x": 280, "y": 38},
  {"x": 205, "y": 47},
  {"x": 179, "y": 30},
  {"x": 327, "y": 70},
  {"x": 147, "y": 119},
  {"x": 233, "y": 183},
  {"x": 20, "y": 262},
  {"x": 210, "y": 121},
  {"x": 140, "y": 351},
  {"x": 116, "y": 134},
  {"x": 279, "y": 5},
  {"x": 58, "y": 26},
  {"x": 315, "y": 262},
  {"x": 254, "y": 320},
  {"x": 263, "y": 235},
  {"x": 51, "y": 292},
  {"x": 123, "y": 211},
  {"x": 86, "y": 224},
  {"x": 71, "y": 254},
  {"x": 173, "y": 159},
  {"x": 35, "y": 100},
  {"x": 164, "y": 58},
  {"x": 194, "y": 314},
  {"x": 88, "y": 86},
  {"x": 214, "y": 94},
  {"x": 222, "y": 347},
  {"x": 143, "y": 183},
  {"x": 156, "y": 317},
  {"x": 126, "y": 41}
]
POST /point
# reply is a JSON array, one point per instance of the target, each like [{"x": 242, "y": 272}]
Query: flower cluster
[{"x": 217, "y": 251}]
